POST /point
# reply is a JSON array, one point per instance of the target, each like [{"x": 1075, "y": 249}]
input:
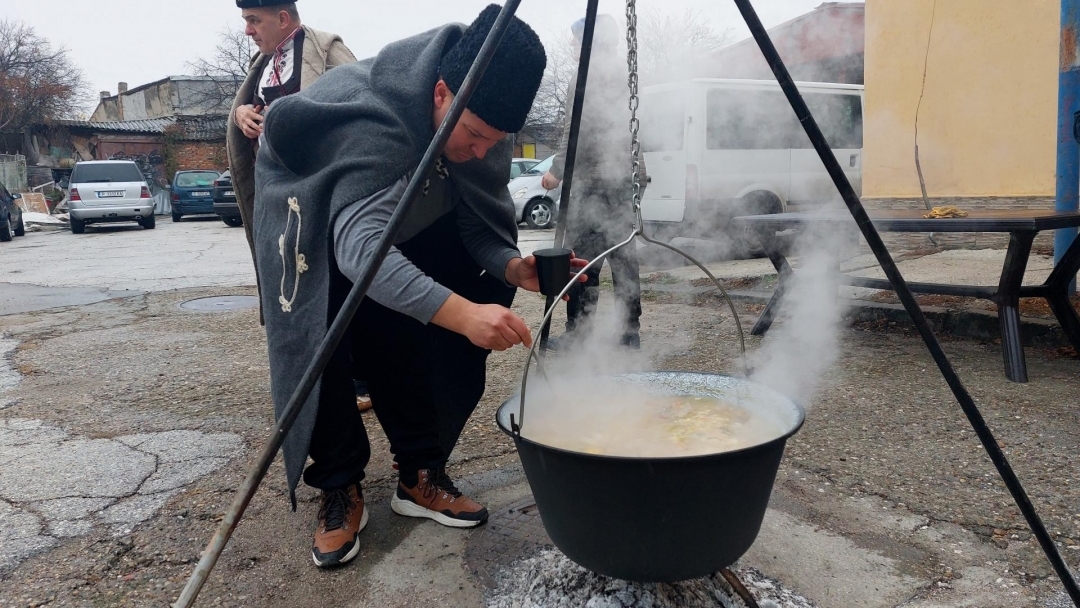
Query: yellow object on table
[{"x": 946, "y": 211}]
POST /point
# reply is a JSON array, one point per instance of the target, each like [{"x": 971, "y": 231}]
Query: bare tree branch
[
  {"x": 670, "y": 47},
  {"x": 227, "y": 67},
  {"x": 550, "y": 105},
  {"x": 38, "y": 82}
]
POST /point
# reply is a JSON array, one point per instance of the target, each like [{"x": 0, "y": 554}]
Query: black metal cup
[{"x": 553, "y": 270}]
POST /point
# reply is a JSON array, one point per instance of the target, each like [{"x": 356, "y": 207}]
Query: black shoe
[
  {"x": 560, "y": 343},
  {"x": 631, "y": 340},
  {"x": 341, "y": 518}
]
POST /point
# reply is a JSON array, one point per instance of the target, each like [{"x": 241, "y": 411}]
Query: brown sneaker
[
  {"x": 364, "y": 403},
  {"x": 341, "y": 518},
  {"x": 435, "y": 497}
]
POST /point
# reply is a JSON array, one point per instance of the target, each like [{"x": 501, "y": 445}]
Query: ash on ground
[{"x": 551, "y": 580}]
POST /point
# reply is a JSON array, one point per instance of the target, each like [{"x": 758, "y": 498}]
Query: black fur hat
[
  {"x": 505, "y": 94},
  {"x": 261, "y": 3}
]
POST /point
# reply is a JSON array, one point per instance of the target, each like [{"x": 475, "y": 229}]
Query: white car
[
  {"x": 533, "y": 204},
  {"x": 521, "y": 165},
  {"x": 108, "y": 191}
]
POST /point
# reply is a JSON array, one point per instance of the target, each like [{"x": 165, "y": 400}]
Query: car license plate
[
  {"x": 111, "y": 193},
  {"x": 230, "y": 193},
  {"x": 200, "y": 193}
]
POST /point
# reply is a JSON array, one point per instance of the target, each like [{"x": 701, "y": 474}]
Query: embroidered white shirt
[{"x": 280, "y": 67}]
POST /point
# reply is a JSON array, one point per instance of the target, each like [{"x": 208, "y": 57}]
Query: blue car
[{"x": 193, "y": 193}]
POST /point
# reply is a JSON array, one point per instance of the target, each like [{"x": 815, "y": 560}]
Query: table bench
[{"x": 1021, "y": 225}]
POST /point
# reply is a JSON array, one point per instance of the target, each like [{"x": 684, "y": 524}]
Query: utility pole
[{"x": 1068, "y": 150}]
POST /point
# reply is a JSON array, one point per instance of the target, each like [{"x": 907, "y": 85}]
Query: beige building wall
[{"x": 987, "y": 125}]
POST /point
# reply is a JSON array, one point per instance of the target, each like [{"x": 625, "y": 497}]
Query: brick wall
[
  {"x": 201, "y": 155},
  {"x": 960, "y": 240}
]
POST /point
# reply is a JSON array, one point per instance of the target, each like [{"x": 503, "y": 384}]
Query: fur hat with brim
[
  {"x": 506, "y": 92},
  {"x": 261, "y": 3},
  {"x": 605, "y": 33}
]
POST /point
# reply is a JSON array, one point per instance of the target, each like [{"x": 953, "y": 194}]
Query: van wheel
[
  {"x": 20, "y": 229},
  {"x": 540, "y": 214},
  {"x": 5, "y": 230},
  {"x": 176, "y": 216},
  {"x": 234, "y": 222},
  {"x": 148, "y": 222},
  {"x": 77, "y": 226}
]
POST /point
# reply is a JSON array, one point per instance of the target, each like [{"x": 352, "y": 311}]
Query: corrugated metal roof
[
  {"x": 204, "y": 128},
  {"x": 150, "y": 125},
  {"x": 196, "y": 128}
]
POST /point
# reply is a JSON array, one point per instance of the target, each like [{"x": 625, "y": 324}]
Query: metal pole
[
  {"x": 873, "y": 239},
  {"x": 575, "y": 121},
  {"x": 344, "y": 317},
  {"x": 1068, "y": 152}
]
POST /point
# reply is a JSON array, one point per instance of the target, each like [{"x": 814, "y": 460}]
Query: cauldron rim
[{"x": 799, "y": 409}]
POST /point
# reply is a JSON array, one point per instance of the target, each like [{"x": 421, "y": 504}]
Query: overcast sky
[{"x": 139, "y": 41}]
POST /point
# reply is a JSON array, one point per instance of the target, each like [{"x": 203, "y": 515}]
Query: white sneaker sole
[
  {"x": 356, "y": 544},
  {"x": 411, "y": 509}
]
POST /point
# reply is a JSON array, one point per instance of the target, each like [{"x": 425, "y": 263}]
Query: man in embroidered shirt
[
  {"x": 291, "y": 58},
  {"x": 334, "y": 164}
]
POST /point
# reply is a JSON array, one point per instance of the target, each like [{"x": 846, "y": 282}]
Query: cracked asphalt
[
  {"x": 128, "y": 423},
  {"x": 54, "y": 486}
]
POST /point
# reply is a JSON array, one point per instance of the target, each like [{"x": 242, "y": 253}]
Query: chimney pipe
[
  {"x": 105, "y": 94},
  {"x": 121, "y": 88}
]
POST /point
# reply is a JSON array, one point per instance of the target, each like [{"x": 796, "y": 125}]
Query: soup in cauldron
[{"x": 620, "y": 422}]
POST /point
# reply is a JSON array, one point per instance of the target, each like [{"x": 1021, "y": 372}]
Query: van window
[
  {"x": 839, "y": 117},
  {"x": 739, "y": 119},
  {"x": 763, "y": 120},
  {"x": 663, "y": 121},
  {"x": 106, "y": 172}
]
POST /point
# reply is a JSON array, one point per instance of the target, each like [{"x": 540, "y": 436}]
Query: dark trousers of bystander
[
  {"x": 424, "y": 381},
  {"x": 607, "y": 222}
]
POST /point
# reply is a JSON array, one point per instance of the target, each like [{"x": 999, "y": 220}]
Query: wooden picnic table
[{"x": 1022, "y": 226}]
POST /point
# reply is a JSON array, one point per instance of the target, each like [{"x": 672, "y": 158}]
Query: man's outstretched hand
[{"x": 521, "y": 272}]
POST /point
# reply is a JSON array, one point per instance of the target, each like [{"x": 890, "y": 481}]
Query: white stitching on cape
[{"x": 301, "y": 261}]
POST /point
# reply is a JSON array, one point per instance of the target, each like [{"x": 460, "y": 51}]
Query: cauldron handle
[
  {"x": 637, "y": 231},
  {"x": 547, "y": 316}
]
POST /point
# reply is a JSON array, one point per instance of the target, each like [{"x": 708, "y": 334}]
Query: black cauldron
[{"x": 658, "y": 519}]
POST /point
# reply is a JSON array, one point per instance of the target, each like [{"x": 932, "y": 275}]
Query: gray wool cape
[{"x": 359, "y": 129}]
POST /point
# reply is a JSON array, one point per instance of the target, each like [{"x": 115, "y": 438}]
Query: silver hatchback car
[
  {"x": 533, "y": 204},
  {"x": 102, "y": 191}
]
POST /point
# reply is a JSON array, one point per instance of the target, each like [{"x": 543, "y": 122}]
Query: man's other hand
[
  {"x": 549, "y": 181},
  {"x": 249, "y": 118},
  {"x": 488, "y": 326}
]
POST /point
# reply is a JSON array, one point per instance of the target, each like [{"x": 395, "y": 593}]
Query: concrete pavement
[{"x": 192, "y": 253}]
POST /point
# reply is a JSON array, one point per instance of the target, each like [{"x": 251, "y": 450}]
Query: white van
[{"x": 716, "y": 148}]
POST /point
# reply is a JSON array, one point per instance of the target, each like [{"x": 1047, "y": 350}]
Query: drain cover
[
  {"x": 512, "y": 533},
  {"x": 218, "y": 303}
]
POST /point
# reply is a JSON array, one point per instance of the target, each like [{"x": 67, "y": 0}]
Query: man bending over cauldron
[{"x": 333, "y": 164}]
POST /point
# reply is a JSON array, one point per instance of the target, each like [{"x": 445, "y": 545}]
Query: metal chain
[{"x": 632, "y": 82}]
